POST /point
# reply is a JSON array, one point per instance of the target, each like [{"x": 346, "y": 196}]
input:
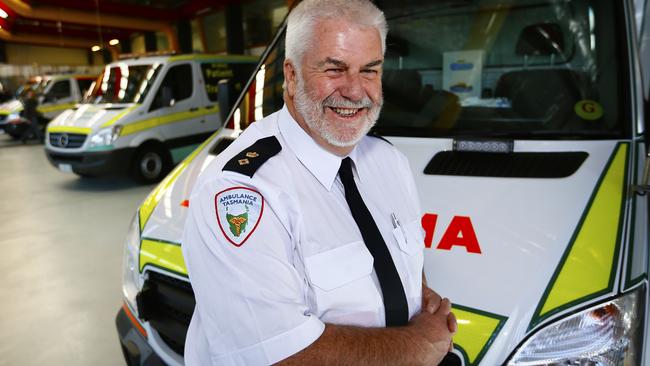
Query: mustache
[{"x": 336, "y": 102}]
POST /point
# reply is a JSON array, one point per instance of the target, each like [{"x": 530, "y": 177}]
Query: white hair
[{"x": 303, "y": 19}]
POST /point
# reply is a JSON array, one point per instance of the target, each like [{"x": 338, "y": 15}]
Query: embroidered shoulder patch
[{"x": 239, "y": 211}]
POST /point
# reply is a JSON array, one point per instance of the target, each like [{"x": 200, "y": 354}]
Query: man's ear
[{"x": 290, "y": 78}]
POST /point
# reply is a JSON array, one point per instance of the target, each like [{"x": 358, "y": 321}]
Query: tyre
[
  {"x": 151, "y": 164},
  {"x": 15, "y": 131}
]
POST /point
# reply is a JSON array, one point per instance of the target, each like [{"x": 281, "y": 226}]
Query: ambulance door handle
[
  {"x": 643, "y": 188},
  {"x": 194, "y": 109}
]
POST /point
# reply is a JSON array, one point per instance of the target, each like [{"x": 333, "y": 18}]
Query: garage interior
[{"x": 63, "y": 235}]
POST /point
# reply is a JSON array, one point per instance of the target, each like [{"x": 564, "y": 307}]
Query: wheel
[
  {"x": 151, "y": 164},
  {"x": 15, "y": 131}
]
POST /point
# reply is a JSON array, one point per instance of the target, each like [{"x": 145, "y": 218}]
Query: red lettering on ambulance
[
  {"x": 429, "y": 225},
  {"x": 460, "y": 233}
]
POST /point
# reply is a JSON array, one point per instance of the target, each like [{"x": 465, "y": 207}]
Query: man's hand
[
  {"x": 431, "y": 301},
  {"x": 432, "y": 332}
]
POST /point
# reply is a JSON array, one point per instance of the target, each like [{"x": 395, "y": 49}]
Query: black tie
[{"x": 395, "y": 304}]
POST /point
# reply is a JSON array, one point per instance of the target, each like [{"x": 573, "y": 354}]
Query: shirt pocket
[
  {"x": 410, "y": 237},
  {"x": 342, "y": 287},
  {"x": 337, "y": 267}
]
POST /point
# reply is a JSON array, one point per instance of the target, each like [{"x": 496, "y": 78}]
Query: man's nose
[{"x": 352, "y": 88}]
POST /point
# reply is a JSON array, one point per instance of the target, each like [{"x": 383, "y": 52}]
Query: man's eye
[
  {"x": 370, "y": 72},
  {"x": 334, "y": 71}
]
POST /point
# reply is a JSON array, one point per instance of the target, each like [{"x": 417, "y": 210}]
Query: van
[
  {"x": 524, "y": 125},
  {"x": 56, "y": 93},
  {"x": 144, "y": 115}
]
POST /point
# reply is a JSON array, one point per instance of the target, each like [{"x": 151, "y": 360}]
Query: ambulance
[
  {"x": 524, "y": 124},
  {"x": 145, "y": 114},
  {"x": 56, "y": 93}
]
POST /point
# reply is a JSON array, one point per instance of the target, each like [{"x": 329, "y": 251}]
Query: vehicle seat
[{"x": 548, "y": 92}]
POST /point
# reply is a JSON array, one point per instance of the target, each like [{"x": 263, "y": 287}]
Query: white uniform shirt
[{"x": 265, "y": 288}]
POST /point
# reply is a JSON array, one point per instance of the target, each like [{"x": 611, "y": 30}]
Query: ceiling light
[
  {"x": 114, "y": 41},
  {"x": 3, "y": 14},
  {"x": 95, "y": 48}
]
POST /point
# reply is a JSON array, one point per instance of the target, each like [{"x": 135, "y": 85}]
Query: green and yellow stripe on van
[
  {"x": 162, "y": 254},
  {"x": 69, "y": 129},
  {"x": 149, "y": 123},
  {"x": 477, "y": 330},
  {"x": 588, "y": 267},
  {"x": 55, "y": 108}
]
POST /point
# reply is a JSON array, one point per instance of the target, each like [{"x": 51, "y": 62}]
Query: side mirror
[
  {"x": 167, "y": 96},
  {"x": 225, "y": 94}
]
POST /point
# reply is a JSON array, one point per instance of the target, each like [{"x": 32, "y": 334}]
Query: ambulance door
[
  {"x": 57, "y": 97},
  {"x": 176, "y": 106}
]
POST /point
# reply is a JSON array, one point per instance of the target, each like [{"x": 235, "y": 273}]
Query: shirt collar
[{"x": 320, "y": 162}]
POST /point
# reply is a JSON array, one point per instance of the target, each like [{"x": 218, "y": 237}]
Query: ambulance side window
[
  {"x": 84, "y": 85},
  {"x": 60, "y": 90},
  {"x": 175, "y": 87},
  {"x": 213, "y": 72}
]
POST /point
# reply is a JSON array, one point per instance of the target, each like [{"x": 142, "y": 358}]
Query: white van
[
  {"x": 56, "y": 93},
  {"x": 524, "y": 124},
  {"x": 144, "y": 115}
]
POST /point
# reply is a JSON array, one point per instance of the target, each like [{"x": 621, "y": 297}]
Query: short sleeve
[{"x": 250, "y": 299}]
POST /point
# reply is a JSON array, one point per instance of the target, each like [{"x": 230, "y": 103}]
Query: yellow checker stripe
[
  {"x": 146, "y": 124},
  {"x": 589, "y": 265},
  {"x": 163, "y": 255},
  {"x": 476, "y": 331},
  {"x": 150, "y": 203},
  {"x": 5, "y": 112},
  {"x": 118, "y": 116},
  {"x": 55, "y": 108},
  {"x": 69, "y": 129}
]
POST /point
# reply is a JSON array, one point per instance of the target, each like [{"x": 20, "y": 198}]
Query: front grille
[
  {"x": 67, "y": 140},
  {"x": 167, "y": 304},
  {"x": 60, "y": 158}
]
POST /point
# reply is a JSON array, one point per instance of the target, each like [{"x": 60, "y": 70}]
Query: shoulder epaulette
[
  {"x": 374, "y": 134},
  {"x": 251, "y": 159}
]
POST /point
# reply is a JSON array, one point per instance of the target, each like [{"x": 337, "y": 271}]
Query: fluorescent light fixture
[
  {"x": 95, "y": 48},
  {"x": 3, "y": 14},
  {"x": 114, "y": 41}
]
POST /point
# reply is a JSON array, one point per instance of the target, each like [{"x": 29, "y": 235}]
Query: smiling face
[{"x": 335, "y": 96}]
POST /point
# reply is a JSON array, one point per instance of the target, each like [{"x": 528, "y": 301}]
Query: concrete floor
[{"x": 61, "y": 240}]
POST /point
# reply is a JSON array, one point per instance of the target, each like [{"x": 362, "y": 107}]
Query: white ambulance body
[
  {"x": 144, "y": 115},
  {"x": 524, "y": 126},
  {"x": 56, "y": 93}
]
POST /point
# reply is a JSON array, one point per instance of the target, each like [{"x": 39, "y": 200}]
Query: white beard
[{"x": 334, "y": 133}]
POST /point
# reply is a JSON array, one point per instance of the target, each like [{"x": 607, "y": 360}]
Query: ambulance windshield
[
  {"x": 513, "y": 69},
  {"x": 122, "y": 83}
]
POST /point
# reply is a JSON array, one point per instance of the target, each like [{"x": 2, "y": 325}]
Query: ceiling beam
[
  {"x": 45, "y": 40},
  {"x": 83, "y": 17}
]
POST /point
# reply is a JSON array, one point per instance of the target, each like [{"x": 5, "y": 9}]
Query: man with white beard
[{"x": 302, "y": 242}]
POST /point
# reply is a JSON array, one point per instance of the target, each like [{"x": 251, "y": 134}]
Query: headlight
[
  {"x": 131, "y": 280},
  {"x": 105, "y": 137},
  {"x": 13, "y": 116},
  {"x": 608, "y": 334}
]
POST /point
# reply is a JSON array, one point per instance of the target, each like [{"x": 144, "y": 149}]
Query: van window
[
  {"x": 179, "y": 81},
  {"x": 528, "y": 69},
  {"x": 214, "y": 72},
  {"x": 59, "y": 90},
  {"x": 124, "y": 83},
  {"x": 84, "y": 85}
]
